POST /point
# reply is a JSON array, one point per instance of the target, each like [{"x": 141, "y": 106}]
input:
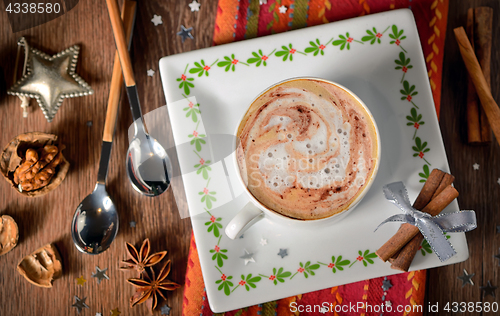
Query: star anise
[
  {"x": 141, "y": 259},
  {"x": 148, "y": 288}
]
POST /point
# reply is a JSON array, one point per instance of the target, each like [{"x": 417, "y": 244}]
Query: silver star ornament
[
  {"x": 165, "y": 310},
  {"x": 50, "y": 79},
  {"x": 248, "y": 257},
  {"x": 80, "y": 304},
  {"x": 466, "y": 278},
  {"x": 386, "y": 284},
  {"x": 283, "y": 253},
  {"x": 488, "y": 289},
  {"x": 185, "y": 33},
  {"x": 100, "y": 274}
]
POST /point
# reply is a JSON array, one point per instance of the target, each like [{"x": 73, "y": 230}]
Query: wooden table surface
[{"x": 47, "y": 219}]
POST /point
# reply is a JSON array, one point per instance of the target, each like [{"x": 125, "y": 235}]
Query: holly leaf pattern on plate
[
  {"x": 338, "y": 264},
  {"x": 365, "y": 257},
  {"x": 424, "y": 175},
  {"x": 249, "y": 281},
  {"x": 414, "y": 120},
  {"x": 317, "y": 47},
  {"x": 214, "y": 225}
]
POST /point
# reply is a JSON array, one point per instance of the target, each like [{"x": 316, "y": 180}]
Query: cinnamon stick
[
  {"x": 388, "y": 250},
  {"x": 407, "y": 231},
  {"x": 429, "y": 189},
  {"x": 479, "y": 25},
  {"x": 445, "y": 182},
  {"x": 483, "y": 18},
  {"x": 473, "y": 114},
  {"x": 405, "y": 257},
  {"x": 487, "y": 102},
  {"x": 395, "y": 256}
]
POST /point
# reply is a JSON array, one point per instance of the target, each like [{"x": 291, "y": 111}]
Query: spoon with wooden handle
[
  {"x": 95, "y": 223},
  {"x": 148, "y": 165}
]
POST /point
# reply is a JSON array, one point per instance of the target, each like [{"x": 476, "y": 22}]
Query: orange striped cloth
[{"x": 241, "y": 19}]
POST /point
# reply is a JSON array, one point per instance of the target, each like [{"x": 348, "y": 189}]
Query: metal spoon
[
  {"x": 95, "y": 222},
  {"x": 148, "y": 165}
]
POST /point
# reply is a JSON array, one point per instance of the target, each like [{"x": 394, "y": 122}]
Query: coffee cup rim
[{"x": 356, "y": 201}]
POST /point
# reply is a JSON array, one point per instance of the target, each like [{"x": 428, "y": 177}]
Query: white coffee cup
[{"x": 254, "y": 210}]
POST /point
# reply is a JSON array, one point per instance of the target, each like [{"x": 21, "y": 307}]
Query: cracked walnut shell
[
  {"x": 9, "y": 234},
  {"x": 42, "y": 266},
  {"x": 33, "y": 163}
]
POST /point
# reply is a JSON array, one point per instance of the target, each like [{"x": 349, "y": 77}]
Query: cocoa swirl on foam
[{"x": 306, "y": 149}]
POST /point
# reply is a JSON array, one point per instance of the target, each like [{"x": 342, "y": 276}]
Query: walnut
[
  {"x": 9, "y": 234},
  {"x": 42, "y": 266},
  {"x": 34, "y": 164},
  {"x": 34, "y": 173}
]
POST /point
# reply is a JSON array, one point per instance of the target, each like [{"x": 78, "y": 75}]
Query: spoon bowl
[
  {"x": 148, "y": 165},
  {"x": 95, "y": 223}
]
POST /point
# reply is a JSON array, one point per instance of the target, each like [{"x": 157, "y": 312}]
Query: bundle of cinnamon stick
[
  {"x": 477, "y": 77},
  {"x": 436, "y": 194}
]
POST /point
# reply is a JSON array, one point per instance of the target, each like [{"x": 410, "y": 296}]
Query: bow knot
[{"x": 420, "y": 215}]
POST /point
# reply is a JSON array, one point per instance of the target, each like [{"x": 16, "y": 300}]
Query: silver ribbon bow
[{"x": 432, "y": 228}]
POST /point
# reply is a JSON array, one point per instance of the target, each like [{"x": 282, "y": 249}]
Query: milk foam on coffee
[{"x": 306, "y": 149}]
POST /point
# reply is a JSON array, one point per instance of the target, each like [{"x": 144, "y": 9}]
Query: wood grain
[
  {"x": 48, "y": 218},
  {"x": 478, "y": 189}
]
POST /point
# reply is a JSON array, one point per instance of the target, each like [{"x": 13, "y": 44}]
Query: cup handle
[{"x": 248, "y": 216}]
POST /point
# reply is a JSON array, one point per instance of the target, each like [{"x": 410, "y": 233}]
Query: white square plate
[{"x": 361, "y": 55}]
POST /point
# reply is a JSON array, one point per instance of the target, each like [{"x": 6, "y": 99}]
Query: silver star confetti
[
  {"x": 195, "y": 6},
  {"x": 466, "y": 278},
  {"x": 100, "y": 274},
  {"x": 263, "y": 241},
  {"x": 165, "y": 310},
  {"x": 98, "y": 314},
  {"x": 132, "y": 224},
  {"x": 80, "y": 304},
  {"x": 475, "y": 166},
  {"x": 185, "y": 33},
  {"x": 283, "y": 253},
  {"x": 386, "y": 284},
  {"x": 488, "y": 290},
  {"x": 261, "y": 2},
  {"x": 283, "y": 9},
  {"x": 388, "y": 303},
  {"x": 151, "y": 72},
  {"x": 498, "y": 257},
  {"x": 50, "y": 79},
  {"x": 156, "y": 20},
  {"x": 248, "y": 257}
]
